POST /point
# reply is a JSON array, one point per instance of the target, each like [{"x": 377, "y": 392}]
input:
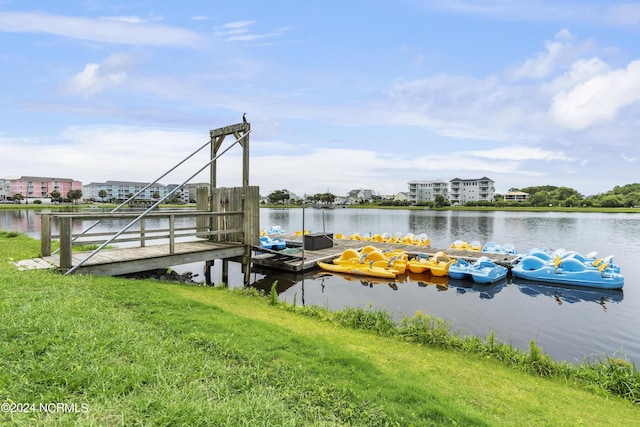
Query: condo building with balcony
[
  {"x": 426, "y": 191},
  {"x": 40, "y": 188},
  {"x": 463, "y": 191}
]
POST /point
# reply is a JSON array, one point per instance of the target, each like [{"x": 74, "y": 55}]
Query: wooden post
[
  {"x": 207, "y": 272},
  {"x": 45, "y": 235},
  {"x": 142, "y": 233},
  {"x": 66, "y": 244},
  {"x": 246, "y": 266},
  {"x": 202, "y": 204},
  {"x": 245, "y": 156},
  {"x": 225, "y": 272},
  {"x": 172, "y": 243}
]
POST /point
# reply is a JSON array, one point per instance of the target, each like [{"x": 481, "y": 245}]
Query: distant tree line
[
  {"x": 72, "y": 196},
  {"x": 280, "y": 197},
  {"x": 543, "y": 195}
]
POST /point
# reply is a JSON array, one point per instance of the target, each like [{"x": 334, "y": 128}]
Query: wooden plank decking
[
  {"x": 111, "y": 262},
  {"x": 290, "y": 260}
]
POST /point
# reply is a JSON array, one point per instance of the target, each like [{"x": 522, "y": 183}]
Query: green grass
[{"x": 140, "y": 353}]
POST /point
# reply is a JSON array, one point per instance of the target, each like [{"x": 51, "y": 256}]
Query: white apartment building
[
  {"x": 5, "y": 189},
  {"x": 426, "y": 191},
  {"x": 120, "y": 190},
  {"x": 463, "y": 191}
]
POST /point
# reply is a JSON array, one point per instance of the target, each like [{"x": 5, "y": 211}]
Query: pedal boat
[
  {"x": 483, "y": 270},
  {"x": 568, "y": 271}
]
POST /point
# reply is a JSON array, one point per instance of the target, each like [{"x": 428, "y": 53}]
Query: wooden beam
[{"x": 229, "y": 130}]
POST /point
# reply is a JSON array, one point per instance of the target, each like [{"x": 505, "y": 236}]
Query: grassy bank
[{"x": 123, "y": 352}]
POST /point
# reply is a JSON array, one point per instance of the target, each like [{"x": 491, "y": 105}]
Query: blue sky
[{"x": 341, "y": 95}]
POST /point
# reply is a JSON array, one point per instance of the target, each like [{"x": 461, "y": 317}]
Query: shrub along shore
[{"x": 110, "y": 351}]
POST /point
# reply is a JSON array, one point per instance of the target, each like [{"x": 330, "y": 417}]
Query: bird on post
[{"x": 244, "y": 118}]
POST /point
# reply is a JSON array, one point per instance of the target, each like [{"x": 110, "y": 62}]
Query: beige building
[{"x": 516, "y": 196}]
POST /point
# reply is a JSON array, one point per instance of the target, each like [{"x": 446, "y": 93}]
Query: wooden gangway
[
  {"x": 110, "y": 262},
  {"x": 224, "y": 225},
  {"x": 162, "y": 239}
]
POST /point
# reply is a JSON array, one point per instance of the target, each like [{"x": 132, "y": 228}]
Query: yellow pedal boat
[
  {"x": 438, "y": 264},
  {"x": 393, "y": 260},
  {"x": 366, "y": 269}
]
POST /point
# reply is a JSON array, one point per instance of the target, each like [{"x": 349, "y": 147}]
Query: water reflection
[
  {"x": 484, "y": 291},
  {"x": 571, "y": 295}
]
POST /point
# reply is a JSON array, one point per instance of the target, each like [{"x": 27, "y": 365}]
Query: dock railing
[{"x": 157, "y": 227}]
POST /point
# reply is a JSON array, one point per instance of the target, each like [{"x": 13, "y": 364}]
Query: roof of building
[
  {"x": 43, "y": 178},
  {"x": 484, "y": 178},
  {"x": 430, "y": 181}
]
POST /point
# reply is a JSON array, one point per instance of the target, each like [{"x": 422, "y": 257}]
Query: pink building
[{"x": 35, "y": 187}]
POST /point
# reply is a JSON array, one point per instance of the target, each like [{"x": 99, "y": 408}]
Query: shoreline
[{"x": 543, "y": 209}]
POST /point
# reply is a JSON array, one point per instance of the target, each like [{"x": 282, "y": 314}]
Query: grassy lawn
[{"x": 134, "y": 353}]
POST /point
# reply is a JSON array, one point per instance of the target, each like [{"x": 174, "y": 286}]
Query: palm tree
[{"x": 102, "y": 194}]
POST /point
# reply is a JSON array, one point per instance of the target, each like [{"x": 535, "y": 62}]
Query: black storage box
[{"x": 316, "y": 241}]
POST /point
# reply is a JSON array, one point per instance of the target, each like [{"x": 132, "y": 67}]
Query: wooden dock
[
  {"x": 292, "y": 260},
  {"x": 111, "y": 262}
]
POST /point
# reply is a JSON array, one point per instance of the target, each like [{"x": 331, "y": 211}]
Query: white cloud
[
  {"x": 624, "y": 14},
  {"x": 521, "y": 153},
  {"x": 240, "y": 31},
  {"x": 599, "y": 99},
  {"x": 545, "y": 62},
  {"x": 95, "y": 78},
  {"x": 102, "y": 30},
  {"x": 579, "y": 72},
  {"x": 134, "y": 19}
]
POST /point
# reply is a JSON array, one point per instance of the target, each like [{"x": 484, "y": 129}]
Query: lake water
[{"x": 569, "y": 324}]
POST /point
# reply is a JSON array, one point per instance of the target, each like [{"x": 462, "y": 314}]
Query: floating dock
[{"x": 292, "y": 258}]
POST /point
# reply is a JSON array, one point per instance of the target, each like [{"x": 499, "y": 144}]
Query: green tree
[
  {"x": 327, "y": 198},
  {"x": 572, "y": 200},
  {"x": 612, "y": 201},
  {"x": 74, "y": 195},
  {"x": 539, "y": 198},
  {"x": 278, "y": 197},
  {"x": 18, "y": 197},
  {"x": 102, "y": 194},
  {"x": 55, "y": 196},
  {"x": 440, "y": 201}
]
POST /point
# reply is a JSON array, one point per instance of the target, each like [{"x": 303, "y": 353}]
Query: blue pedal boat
[
  {"x": 483, "y": 270},
  {"x": 568, "y": 270},
  {"x": 273, "y": 244}
]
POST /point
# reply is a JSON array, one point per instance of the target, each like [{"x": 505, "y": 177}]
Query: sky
[{"x": 341, "y": 95}]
